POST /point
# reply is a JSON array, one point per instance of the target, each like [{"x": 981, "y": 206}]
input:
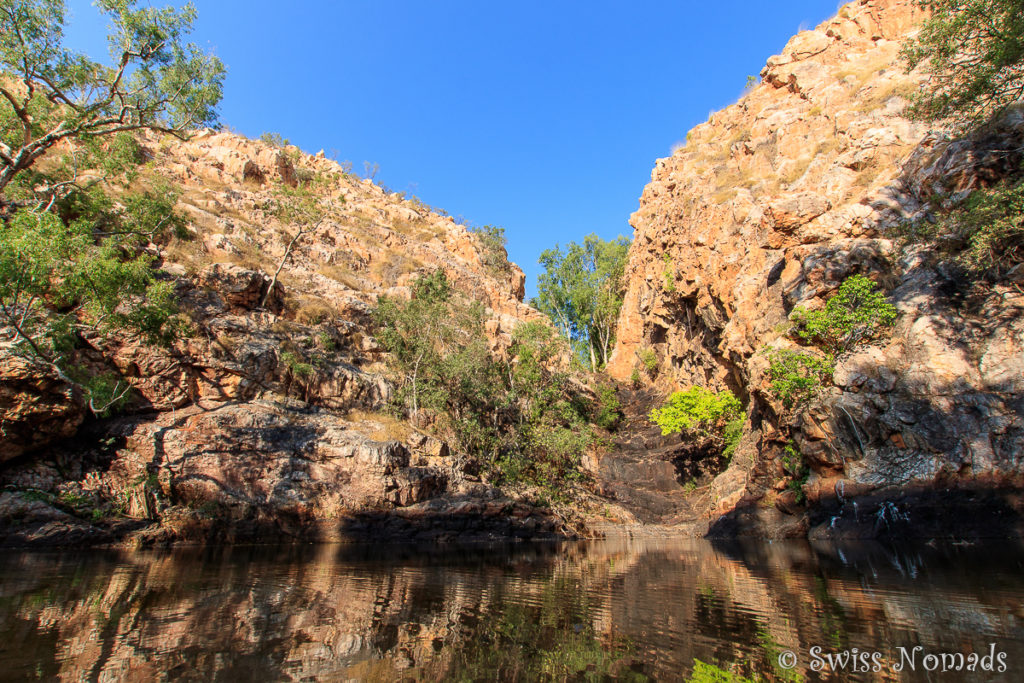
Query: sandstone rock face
[
  {"x": 240, "y": 288},
  {"x": 36, "y": 406},
  {"x": 373, "y": 242},
  {"x": 772, "y": 203},
  {"x": 268, "y": 413},
  {"x": 280, "y": 460}
]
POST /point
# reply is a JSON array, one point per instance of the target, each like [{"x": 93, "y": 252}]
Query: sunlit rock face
[
  {"x": 270, "y": 412},
  {"x": 771, "y": 204}
]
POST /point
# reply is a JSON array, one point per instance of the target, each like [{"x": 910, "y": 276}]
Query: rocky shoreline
[{"x": 33, "y": 523}]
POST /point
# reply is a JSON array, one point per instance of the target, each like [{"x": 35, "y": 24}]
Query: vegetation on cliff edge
[
  {"x": 973, "y": 51},
  {"x": 72, "y": 258},
  {"x": 520, "y": 416}
]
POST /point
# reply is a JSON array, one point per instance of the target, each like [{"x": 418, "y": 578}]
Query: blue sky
[{"x": 542, "y": 117}]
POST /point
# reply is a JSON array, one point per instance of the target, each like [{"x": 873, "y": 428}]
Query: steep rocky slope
[
  {"x": 771, "y": 204},
  {"x": 268, "y": 416}
]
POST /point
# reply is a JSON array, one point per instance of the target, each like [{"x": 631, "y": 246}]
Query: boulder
[{"x": 37, "y": 407}]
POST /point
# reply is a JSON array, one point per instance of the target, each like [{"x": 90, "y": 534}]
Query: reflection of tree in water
[
  {"x": 611, "y": 610},
  {"x": 549, "y": 638}
]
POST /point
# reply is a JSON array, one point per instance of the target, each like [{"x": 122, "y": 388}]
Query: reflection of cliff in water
[{"x": 631, "y": 609}]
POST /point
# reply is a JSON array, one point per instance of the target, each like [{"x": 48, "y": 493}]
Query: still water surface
[{"x": 610, "y": 610}]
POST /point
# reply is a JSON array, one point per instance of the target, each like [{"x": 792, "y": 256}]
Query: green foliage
[
  {"x": 51, "y": 94},
  {"x": 150, "y": 214},
  {"x": 635, "y": 379},
  {"x": 698, "y": 410},
  {"x": 107, "y": 393},
  {"x": 856, "y": 314},
  {"x": 492, "y": 242},
  {"x": 72, "y": 259},
  {"x": 296, "y": 365},
  {"x": 581, "y": 290},
  {"x": 649, "y": 359},
  {"x": 669, "y": 274},
  {"x": 274, "y": 140},
  {"x": 300, "y": 205},
  {"x": 983, "y": 235},
  {"x": 519, "y": 416},
  {"x": 732, "y": 434},
  {"x": 797, "y": 377},
  {"x": 709, "y": 673},
  {"x": 56, "y": 277},
  {"x": 796, "y": 468},
  {"x": 326, "y": 342},
  {"x": 609, "y": 408},
  {"x": 974, "y": 51}
]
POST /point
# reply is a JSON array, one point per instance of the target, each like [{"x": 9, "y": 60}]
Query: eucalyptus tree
[
  {"x": 581, "y": 290},
  {"x": 71, "y": 254}
]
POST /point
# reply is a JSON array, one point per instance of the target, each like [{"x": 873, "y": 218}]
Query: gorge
[
  {"x": 263, "y": 418},
  {"x": 270, "y": 417}
]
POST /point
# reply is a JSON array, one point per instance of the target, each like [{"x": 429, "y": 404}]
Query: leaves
[
  {"x": 983, "y": 235},
  {"x": 696, "y": 409},
  {"x": 581, "y": 290},
  {"x": 71, "y": 258},
  {"x": 50, "y": 94},
  {"x": 519, "y": 415},
  {"x": 796, "y": 377},
  {"x": 492, "y": 241},
  {"x": 856, "y": 314},
  {"x": 973, "y": 51}
]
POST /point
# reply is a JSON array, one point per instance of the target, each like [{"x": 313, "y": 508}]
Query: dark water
[{"x": 611, "y": 610}]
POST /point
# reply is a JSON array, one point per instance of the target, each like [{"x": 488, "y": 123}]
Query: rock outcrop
[
  {"x": 267, "y": 418},
  {"x": 771, "y": 204},
  {"x": 36, "y": 407}
]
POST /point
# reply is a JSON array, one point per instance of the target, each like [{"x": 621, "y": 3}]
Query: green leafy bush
[
  {"x": 274, "y": 140},
  {"x": 796, "y": 468},
  {"x": 697, "y": 409},
  {"x": 609, "y": 408},
  {"x": 295, "y": 364},
  {"x": 984, "y": 234},
  {"x": 493, "y": 242},
  {"x": 649, "y": 359},
  {"x": 855, "y": 315},
  {"x": 732, "y": 434},
  {"x": 669, "y": 273},
  {"x": 709, "y": 673},
  {"x": 796, "y": 377},
  {"x": 520, "y": 417},
  {"x": 972, "y": 51}
]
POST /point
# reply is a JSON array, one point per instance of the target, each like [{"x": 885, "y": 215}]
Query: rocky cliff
[
  {"x": 268, "y": 416},
  {"x": 771, "y": 204}
]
